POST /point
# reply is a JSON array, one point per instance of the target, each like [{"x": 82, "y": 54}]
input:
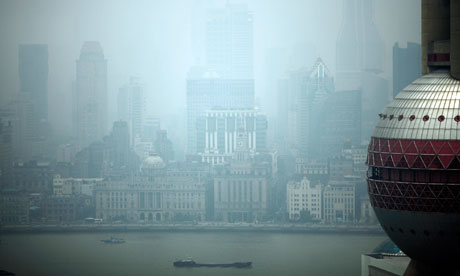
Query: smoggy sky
[{"x": 153, "y": 40}]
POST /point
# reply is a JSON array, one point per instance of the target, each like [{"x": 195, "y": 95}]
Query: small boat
[
  {"x": 192, "y": 263},
  {"x": 113, "y": 240}
]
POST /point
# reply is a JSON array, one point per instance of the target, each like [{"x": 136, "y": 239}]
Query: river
[{"x": 153, "y": 253}]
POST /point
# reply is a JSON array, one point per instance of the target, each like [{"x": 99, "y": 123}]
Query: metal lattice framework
[{"x": 390, "y": 159}]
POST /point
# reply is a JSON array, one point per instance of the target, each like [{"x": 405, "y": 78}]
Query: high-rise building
[
  {"x": 206, "y": 93},
  {"x": 407, "y": 65},
  {"x": 302, "y": 99},
  {"x": 217, "y": 133},
  {"x": 359, "y": 45},
  {"x": 131, "y": 107},
  {"x": 229, "y": 42},
  {"x": 341, "y": 122},
  {"x": 33, "y": 76},
  {"x": 6, "y": 152},
  {"x": 90, "y": 94},
  {"x": 360, "y": 57}
]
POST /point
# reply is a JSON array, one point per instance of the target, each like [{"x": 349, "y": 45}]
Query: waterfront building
[
  {"x": 33, "y": 177},
  {"x": 367, "y": 213},
  {"x": 407, "y": 65},
  {"x": 241, "y": 188},
  {"x": 218, "y": 130},
  {"x": 157, "y": 194},
  {"x": 303, "y": 196},
  {"x": 74, "y": 186},
  {"x": 14, "y": 207},
  {"x": 67, "y": 208},
  {"x": 90, "y": 99},
  {"x": 131, "y": 106},
  {"x": 339, "y": 202}
]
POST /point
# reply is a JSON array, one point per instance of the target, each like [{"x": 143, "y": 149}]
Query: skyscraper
[
  {"x": 226, "y": 79},
  {"x": 131, "y": 107},
  {"x": 302, "y": 98},
  {"x": 206, "y": 93},
  {"x": 360, "y": 60},
  {"x": 407, "y": 65},
  {"x": 91, "y": 94},
  {"x": 229, "y": 42},
  {"x": 33, "y": 76}
]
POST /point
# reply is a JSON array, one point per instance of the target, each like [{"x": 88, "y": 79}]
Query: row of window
[{"x": 425, "y": 118}]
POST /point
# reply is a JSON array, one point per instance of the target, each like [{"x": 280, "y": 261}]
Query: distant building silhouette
[
  {"x": 229, "y": 42},
  {"x": 407, "y": 65},
  {"x": 33, "y": 76},
  {"x": 90, "y": 94},
  {"x": 131, "y": 107},
  {"x": 206, "y": 93},
  {"x": 301, "y": 101},
  {"x": 360, "y": 56}
]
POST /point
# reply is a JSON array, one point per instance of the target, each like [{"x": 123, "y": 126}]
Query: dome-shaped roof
[
  {"x": 428, "y": 108},
  {"x": 153, "y": 162}
]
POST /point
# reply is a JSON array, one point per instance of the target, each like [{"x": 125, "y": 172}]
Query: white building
[
  {"x": 74, "y": 186},
  {"x": 339, "y": 203},
  {"x": 303, "y": 196}
]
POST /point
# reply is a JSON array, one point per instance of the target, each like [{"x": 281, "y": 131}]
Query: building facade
[
  {"x": 157, "y": 194},
  {"x": 131, "y": 106},
  {"x": 90, "y": 99},
  {"x": 339, "y": 203},
  {"x": 205, "y": 93},
  {"x": 302, "y": 196},
  {"x": 241, "y": 188},
  {"x": 220, "y": 129}
]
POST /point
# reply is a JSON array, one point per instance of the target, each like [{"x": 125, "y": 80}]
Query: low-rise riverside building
[
  {"x": 339, "y": 202},
  {"x": 74, "y": 186},
  {"x": 241, "y": 188},
  {"x": 303, "y": 196},
  {"x": 156, "y": 194},
  {"x": 14, "y": 207}
]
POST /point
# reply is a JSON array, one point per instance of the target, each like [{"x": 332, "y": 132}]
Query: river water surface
[{"x": 153, "y": 253}]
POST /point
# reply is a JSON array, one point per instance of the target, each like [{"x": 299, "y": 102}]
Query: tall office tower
[
  {"x": 33, "y": 76},
  {"x": 206, "y": 93},
  {"x": 301, "y": 103},
  {"x": 360, "y": 61},
  {"x": 131, "y": 107},
  {"x": 407, "y": 65},
  {"x": 218, "y": 130},
  {"x": 91, "y": 94},
  {"x": 341, "y": 122},
  {"x": 229, "y": 42}
]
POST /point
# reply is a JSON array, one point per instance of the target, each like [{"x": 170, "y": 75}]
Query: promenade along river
[{"x": 153, "y": 253}]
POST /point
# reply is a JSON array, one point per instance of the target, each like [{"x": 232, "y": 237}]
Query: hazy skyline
[{"x": 153, "y": 41}]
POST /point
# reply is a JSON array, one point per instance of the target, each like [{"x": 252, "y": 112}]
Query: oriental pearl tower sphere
[{"x": 414, "y": 152}]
